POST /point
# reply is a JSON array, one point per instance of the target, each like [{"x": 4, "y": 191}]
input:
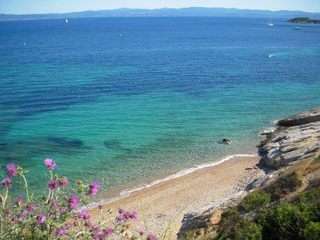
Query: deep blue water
[{"x": 129, "y": 99}]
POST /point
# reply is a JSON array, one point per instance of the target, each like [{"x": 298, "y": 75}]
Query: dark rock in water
[
  {"x": 225, "y": 141},
  {"x": 302, "y": 118},
  {"x": 66, "y": 142},
  {"x": 21, "y": 150},
  {"x": 3, "y": 146},
  {"x": 296, "y": 138},
  {"x": 116, "y": 145},
  {"x": 112, "y": 144}
]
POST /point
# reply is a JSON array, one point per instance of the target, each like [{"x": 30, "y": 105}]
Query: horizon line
[{"x": 153, "y": 9}]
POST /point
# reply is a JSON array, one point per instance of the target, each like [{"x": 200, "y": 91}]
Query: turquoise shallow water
[{"x": 125, "y": 100}]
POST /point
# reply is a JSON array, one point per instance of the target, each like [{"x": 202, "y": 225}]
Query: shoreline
[
  {"x": 162, "y": 204},
  {"x": 184, "y": 172}
]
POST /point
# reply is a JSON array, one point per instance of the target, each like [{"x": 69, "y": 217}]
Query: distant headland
[{"x": 304, "y": 20}]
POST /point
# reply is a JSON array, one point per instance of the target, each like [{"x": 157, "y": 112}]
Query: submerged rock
[
  {"x": 112, "y": 144},
  {"x": 295, "y": 138},
  {"x": 65, "y": 141},
  {"x": 116, "y": 145}
]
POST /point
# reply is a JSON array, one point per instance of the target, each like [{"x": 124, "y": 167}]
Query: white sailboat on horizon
[{"x": 270, "y": 24}]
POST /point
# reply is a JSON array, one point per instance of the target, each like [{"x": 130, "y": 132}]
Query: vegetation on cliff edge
[{"x": 286, "y": 208}]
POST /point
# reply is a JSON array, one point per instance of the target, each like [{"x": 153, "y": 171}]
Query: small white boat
[
  {"x": 270, "y": 24},
  {"x": 66, "y": 20}
]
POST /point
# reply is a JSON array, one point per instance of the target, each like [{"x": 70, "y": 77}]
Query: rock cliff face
[{"x": 295, "y": 138}]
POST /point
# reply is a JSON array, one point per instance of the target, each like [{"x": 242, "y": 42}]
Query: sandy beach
[{"x": 161, "y": 207}]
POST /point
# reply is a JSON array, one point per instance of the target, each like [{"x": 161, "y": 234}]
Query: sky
[{"x": 60, "y": 6}]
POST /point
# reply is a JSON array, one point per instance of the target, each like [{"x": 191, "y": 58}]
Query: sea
[{"x": 127, "y": 101}]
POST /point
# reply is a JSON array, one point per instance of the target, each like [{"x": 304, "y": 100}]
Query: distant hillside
[{"x": 165, "y": 12}]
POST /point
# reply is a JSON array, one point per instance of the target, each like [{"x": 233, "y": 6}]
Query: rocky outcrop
[
  {"x": 291, "y": 140},
  {"x": 301, "y": 118},
  {"x": 204, "y": 225},
  {"x": 295, "y": 138}
]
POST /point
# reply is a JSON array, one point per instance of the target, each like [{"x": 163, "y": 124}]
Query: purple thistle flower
[
  {"x": 120, "y": 218},
  {"x": 53, "y": 184},
  {"x": 94, "y": 188},
  {"x": 60, "y": 232},
  {"x": 133, "y": 215},
  {"x": 63, "y": 182},
  {"x": 30, "y": 207},
  {"x": 108, "y": 231},
  {"x": 50, "y": 164},
  {"x": 41, "y": 219},
  {"x": 126, "y": 215},
  {"x": 73, "y": 201},
  {"x": 11, "y": 170},
  {"x": 6, "y": 182},
  {"x": 84, "y": 215},
  {"x": 23, "y": 215},
  {"x": 98, "y": 234},
  {"x": 151, "y": 237}
]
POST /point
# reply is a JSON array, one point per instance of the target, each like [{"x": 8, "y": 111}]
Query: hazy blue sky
[{"x": 45, "y": 6}]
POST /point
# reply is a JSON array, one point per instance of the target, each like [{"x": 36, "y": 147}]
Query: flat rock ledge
[{"x": 294, "y": 138}]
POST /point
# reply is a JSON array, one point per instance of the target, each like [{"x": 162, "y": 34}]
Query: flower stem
[
  {"x": 50, "y": 193},
  {"x": 26, "y": 187},
  {"x": 49, "y": 197},
  {"x": 4, "y": 199}
]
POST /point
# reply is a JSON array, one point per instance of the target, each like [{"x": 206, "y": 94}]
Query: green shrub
[
  {"x": 230, "y": 222},
  {"x": 286, "y": 221},
  {"x": 312, "y": 231},
  {"x": 297, "y": 220},
  {"x": 248, "y": 231},
  {"x": 254, "y": 201},
  {"x": 260, "y": 216},
  {"x": 309, "y": 203},
  {"x": 241, "y": 230},
  {"x": 284, "y": 185},
  {"x": 310, "y": 197}
]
